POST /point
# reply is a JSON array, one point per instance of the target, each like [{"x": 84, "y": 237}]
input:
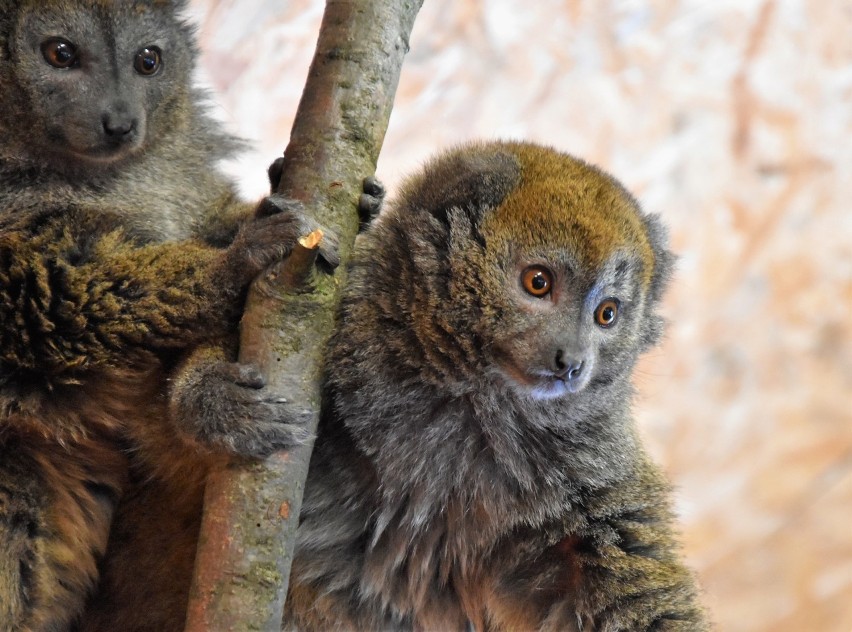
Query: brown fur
[{"x": 124, "y": 258}]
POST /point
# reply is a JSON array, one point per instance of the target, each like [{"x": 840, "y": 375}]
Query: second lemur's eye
[
  {"x": 59, "y": 53},
  {"x": 147, "y": 61},
  {"x": 537, "y": 281},
  {"x": 607, "y": 312}
]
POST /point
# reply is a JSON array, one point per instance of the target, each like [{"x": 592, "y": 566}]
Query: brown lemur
[
  {"x": 477, "y": 463},
  {"x": 124, "y": 258}
]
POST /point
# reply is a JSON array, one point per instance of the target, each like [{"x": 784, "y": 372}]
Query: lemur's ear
[
  {"x": 470, "y": 178},
  {"x": 664, "y": 263}
]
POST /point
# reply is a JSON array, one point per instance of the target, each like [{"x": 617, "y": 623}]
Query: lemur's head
[
  {"x": 91, "y": 82},
  {"x": 528, "y": 267}
]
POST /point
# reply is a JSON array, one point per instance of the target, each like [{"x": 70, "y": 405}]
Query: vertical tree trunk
[{"x": 251, "y": 510}]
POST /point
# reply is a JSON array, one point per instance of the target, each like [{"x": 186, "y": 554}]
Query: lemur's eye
[
  {"x": 537, "y": 281},
  {"x": 148, "y": 61},
  {"x": 60, "y": 53},
  {"x": 607, "y": 312}
]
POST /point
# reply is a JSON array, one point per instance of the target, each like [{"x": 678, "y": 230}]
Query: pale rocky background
[{"x": 732, "y": 119}]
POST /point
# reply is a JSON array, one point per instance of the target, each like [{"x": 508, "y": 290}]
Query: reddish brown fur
[
  {"x": 558, "y": 180},
  {"x": 119, "y": 253}
]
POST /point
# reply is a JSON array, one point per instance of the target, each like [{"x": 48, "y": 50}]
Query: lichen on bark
[{"x": 246, "y": 544}]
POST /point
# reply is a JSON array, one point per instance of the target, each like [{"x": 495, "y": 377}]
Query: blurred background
[{"x": 733, "y": 120}]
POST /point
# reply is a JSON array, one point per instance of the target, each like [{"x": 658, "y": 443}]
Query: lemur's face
[
  {"x": 99, "y": 78},
  {"x": 572, "y": 266},
  {"x": 565, "y": 327},
  {"x": 515, "y": 266}
]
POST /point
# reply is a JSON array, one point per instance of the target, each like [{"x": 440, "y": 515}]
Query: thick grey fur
[{"x": 444, "y": 495}]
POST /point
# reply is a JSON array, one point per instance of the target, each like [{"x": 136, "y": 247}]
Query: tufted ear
[
  {"x": 471, "y": 178},
  {"x": 664, "y": 259},
  {"x": 664, "y": 262}
]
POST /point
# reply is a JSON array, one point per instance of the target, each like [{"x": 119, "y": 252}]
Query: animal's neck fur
[
  {"x": 475, "y": 460},
  {"x": 149, "y": 188},
  {"x": 455, "y": 479}
]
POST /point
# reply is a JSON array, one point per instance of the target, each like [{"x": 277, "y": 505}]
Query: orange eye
[
  {"x": 59, "y": 53},
  {"x": 537, "y": 281},
  {"x": 607, "y": 313}
]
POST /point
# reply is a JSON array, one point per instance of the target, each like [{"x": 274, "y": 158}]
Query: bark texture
[{"x": 251, "y": 510}]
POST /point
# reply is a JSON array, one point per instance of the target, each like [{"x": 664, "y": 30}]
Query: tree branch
[{"x": 251, "y": 510}]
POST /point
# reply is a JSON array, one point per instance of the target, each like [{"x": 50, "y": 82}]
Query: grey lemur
[
  {"x": 477, "y": 462},
  {"x": 124, "y": 257}
]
